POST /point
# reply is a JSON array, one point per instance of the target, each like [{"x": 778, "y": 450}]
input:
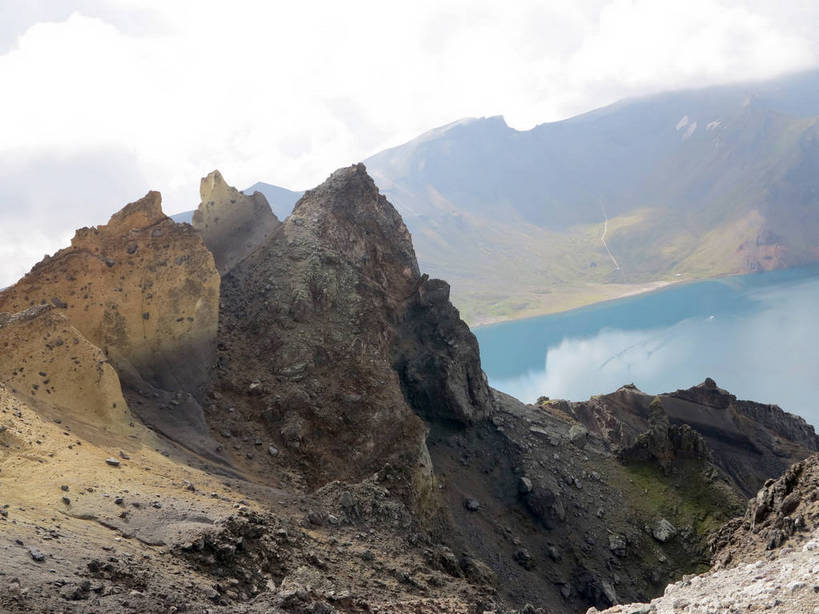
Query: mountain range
[
  {"x": 248, "y": 414},
  {"x": 645, "y": 192}
]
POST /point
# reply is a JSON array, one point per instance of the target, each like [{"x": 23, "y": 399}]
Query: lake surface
[{"x": 756, "y": 335}]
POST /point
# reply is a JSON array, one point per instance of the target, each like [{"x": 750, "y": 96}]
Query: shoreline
[
  {"x": 638, "y": 290},
  {"x": 646, "y": 288}
]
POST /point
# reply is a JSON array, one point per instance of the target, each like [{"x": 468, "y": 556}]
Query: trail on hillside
[{"x": 603, "y": 237}]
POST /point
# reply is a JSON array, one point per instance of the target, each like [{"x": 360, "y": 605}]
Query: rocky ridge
[
  {"x": 749, "y": 442},
  {"x": 231, "y": 223},
  {"x": 350, "y": 456}
]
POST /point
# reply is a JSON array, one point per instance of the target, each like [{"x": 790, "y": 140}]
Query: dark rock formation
[
  {"x": 748, "y": 441},
  {"x": 437, "y": 358},
  {"x": 231, "y": 223},
  {"x": 343, "y": 340},
  {"x": 783, "y": 508}
]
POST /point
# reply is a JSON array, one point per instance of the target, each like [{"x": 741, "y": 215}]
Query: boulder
[{"x": 663, "y": 531}]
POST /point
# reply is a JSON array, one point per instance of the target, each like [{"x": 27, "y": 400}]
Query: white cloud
[{"x": 287, "y": 92}]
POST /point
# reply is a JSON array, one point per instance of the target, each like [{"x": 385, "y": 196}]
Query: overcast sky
[{"x": 104, "y": 99}]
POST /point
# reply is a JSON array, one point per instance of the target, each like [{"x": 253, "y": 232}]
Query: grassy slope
[{"x": 516, "y": 270}]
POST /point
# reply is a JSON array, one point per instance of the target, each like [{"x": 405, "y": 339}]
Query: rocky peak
[
  {"x": 135, "y": 216},
  {"x": 214, "y": 187},
  {"x": 142, "y": 288},
  {"x": 348, "y": 213},
  {"x": 324, "y": 321},
  {"x": 707, "y": 393},
  {"x": 231, "y": 223}
]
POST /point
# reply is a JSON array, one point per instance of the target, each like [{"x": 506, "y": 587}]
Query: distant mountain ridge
[
  {"x": 626, "y": 198},
  {"x": 678, "y": 185}
]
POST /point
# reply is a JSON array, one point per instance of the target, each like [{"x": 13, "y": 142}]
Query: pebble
[
  {"x": 473, "y": 505},
  {"x": 36, "y": 555}
]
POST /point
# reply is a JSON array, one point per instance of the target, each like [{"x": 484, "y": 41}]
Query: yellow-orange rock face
[
  {"x": 44, "y": 358},
  {"x": 142, "y": 287}
]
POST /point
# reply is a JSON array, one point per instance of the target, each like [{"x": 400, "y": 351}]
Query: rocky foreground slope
[
  {"x": 333, "y": 445},
  {"x": 767, "y": 560}
]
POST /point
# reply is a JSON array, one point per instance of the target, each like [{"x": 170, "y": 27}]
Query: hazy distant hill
[
  {"x": 281, "y": 199},
  {"x": 692, "y": 183},
  {"x": 679, "y": 185}
]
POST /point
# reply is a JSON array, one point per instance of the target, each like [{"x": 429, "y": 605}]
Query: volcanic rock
[
  {"x": 748, "y": 441},
  {"x": 141, "y": 262},
  {"x": 333, "y": 315},
  {"x": 44, "y": 357},
  {"x": 231, "y": 223}
]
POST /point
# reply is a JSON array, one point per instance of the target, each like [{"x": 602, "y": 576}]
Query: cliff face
[
  {"x": 313, "y": 323},
  {"x": 49, "y": 361},
  {"x": 142, "y": 288},
  {"x": 231, "y": 224},
  {"x": 748, "y": 441}
]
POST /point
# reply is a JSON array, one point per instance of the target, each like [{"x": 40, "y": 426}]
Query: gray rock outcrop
[{"x": 231, "y": 223}]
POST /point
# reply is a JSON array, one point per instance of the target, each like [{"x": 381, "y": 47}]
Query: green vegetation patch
[{"x": 691, "y": 497}]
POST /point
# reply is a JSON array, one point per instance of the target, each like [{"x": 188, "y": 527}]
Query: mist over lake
[{"x": 756, "y": 335}]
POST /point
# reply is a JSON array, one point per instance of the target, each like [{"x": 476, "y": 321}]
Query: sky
[{"x": 103, "y": 100}]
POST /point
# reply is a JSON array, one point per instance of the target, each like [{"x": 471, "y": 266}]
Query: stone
[
  {"x": 477, "y": 571},
  {"x": 273, "y": 451},
  {"x": 36, "y": 555},
  {"x": 663, "y": 530},
  {"x": 617, "y": 545},
  {"x": 566, "y": 591},
  {"x": 346, "y": 500},
  {"x": 114, "y": 462},
  {"x": 524, "y": 486},
  {"x": 524, "y": 559},
  {"x": 473, "y": 505},
  {"x": 578, "y": 435}
]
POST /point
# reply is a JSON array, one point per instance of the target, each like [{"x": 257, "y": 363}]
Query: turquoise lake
[{"x": 756, "y": 335}]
